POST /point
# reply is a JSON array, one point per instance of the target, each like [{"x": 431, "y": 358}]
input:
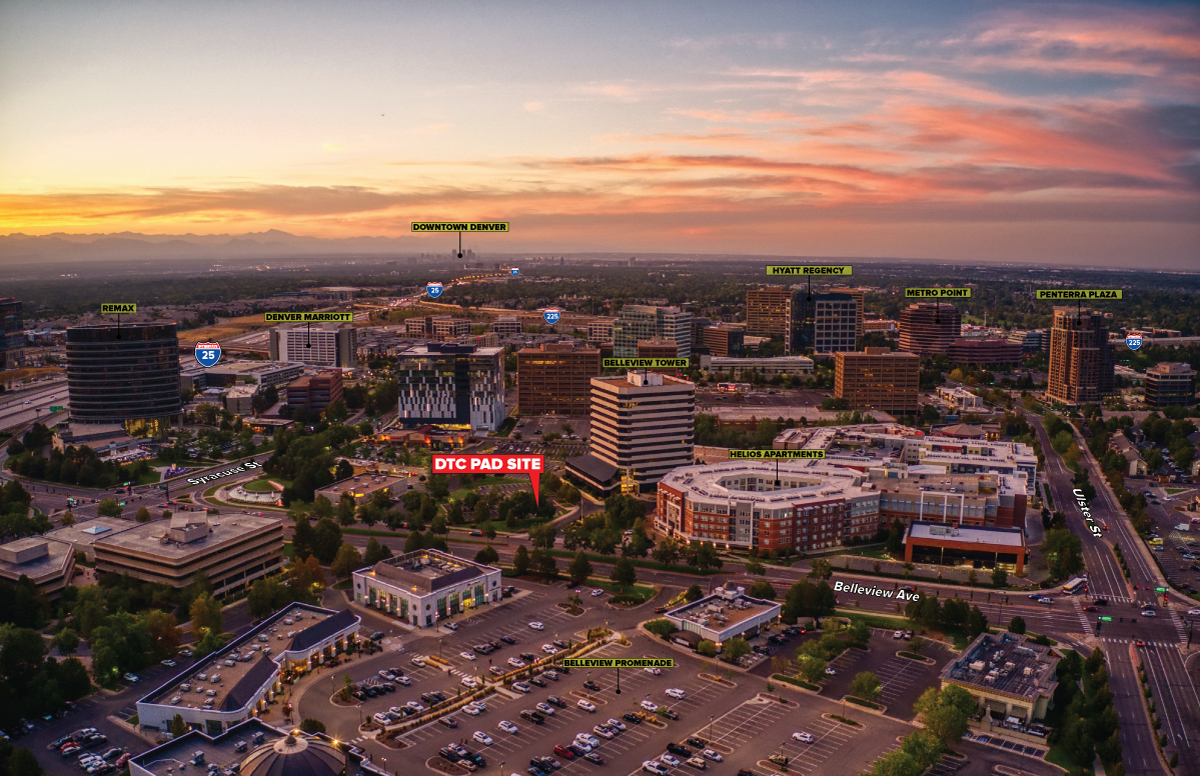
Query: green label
[
  {"x": 644, "y": 363},
  {"x": 1069, "y": 294},
  {"x": 308, "y": 317},
  {"x": 937, "y": 293},
  {"x": 809, "y": 269},
  {"x": 112, "y": 309},
  {"x": 759, "y": 454},
  {"x": 1105, "y": 619}
]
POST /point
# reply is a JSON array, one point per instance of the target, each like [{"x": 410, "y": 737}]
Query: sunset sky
[{"x": 958, "y": 130}]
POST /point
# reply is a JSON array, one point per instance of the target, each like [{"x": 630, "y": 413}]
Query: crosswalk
[
  {"x": 1083, "y": 619},
  {"x": 1177, "y": 621},
  {"x": 1115, "y": 640}
]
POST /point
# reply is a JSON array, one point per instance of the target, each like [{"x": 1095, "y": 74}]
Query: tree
[
  {"x": 437, "y": 486},
  {"x": 108, "y": 507},
  {"x": 624, "y": 573},
  {"x": 762, "y": 589},
  {"x": 895, "y": 539},
  {"x": 207, "y": 615},
  {"x": 735, "y": 649},
  {"x": 865, "y": 685},
  {"x": 438, "y": 526},
  {"x": 163, "y": 631},
  {"x": 67, "y": 641},
  {"x": 945, "y": 712},
  {"x": 345, "y": 509},
  {"x": 68, "y": 518},
  {"x": 820, "y": 569},
  {"x": 521, "y": 561},
  {"x": 312, "y": 726},
  {"x": 661, "y": 627},
  {"x": 703, "y": 555},
  {"x": 375, "y": 552},
  {"x": 302, "y": 538},
  {"x": 24, "y": 763},
  {"x": 924, "y": 747},
  {"x": 487, "y": 555},
  {"x": 1016, "y": 625},
  {"x": 143, "y": 515},
  {"x": 755, "y": 567},
  {"x": 706, "y": 648},
  {"x": 693, "y": 593},
  {"x": 999, "y": 577},
  {"x": 347, "y": 561},
  {"x": 976, "y": 622},
  {"x": 859, "y": 634},
  {"x": 542, "y": 536},
  {"x": 178, "y": 727},
  {"x": 326, "y": 540},
  {"x": 413, "y": 542},
  {"x": 813, "y": 669},
  {"x": 545, "y": 563},
  {"x": 580, "y": 569},
  {"x": 266, "y": 596},
  {"x": 306, "y": 579}
]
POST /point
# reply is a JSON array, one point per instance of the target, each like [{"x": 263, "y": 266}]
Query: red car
[
  {"x": 563, "y": 752},
  {"x": 1139, "y": 642},
  {"x": 1090, "y": 609}
]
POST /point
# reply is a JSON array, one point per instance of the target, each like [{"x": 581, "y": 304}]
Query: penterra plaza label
[{"x": 532, "y": 465}]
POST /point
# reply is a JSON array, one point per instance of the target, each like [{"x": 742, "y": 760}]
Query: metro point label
[
  {"x": 114, "y": 308},
  {"x": 618, "y": 662},
  {"x": 308, "y": 317},
  {"x": 809, "y": 269},
  {"x": 1089, "y": 293},
  {"x": 778, "y": 454},
  {"x": 460, "y": 226},
  {"x": 644, "y": 363},
  {"x": 938, "y": 293}
]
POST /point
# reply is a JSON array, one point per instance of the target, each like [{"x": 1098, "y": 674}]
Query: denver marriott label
[
  {"x": 309, "y": 317},
  {"x": 774, "y": 454},
  {"x": 1090, "y": 293},
  {"x": 460, "y": 226},
  {"x": 644, "y": 363},
  {"x": 617, "y": 662},
  {"x": 809, "y": 269}
]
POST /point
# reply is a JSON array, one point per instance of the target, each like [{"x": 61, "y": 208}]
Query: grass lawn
[
  {"x": 869, "y": 552},
  {"x": 641, "y": 591},
  {"x": 485, "y": 483},
  {"x": 1173, "y": 491},
  {"x": 877, "y": 620},
  {"x": 260, "y": 486},
  {"x": 345, "y": 584},
  {"x": 289, "y": 551},
  {"x": 1058, "y": 756}
]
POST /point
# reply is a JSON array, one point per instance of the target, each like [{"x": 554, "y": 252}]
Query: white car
[
  {"x": 482, "y": 737},
  {"x": 597, "y": 592},
  {"x": 1193, "y": 611},
  {"x": 831, "y": 672},
  {"x": 602, "y": 731},
  {"x": 591, "y": 739},
  {"x": 655, "y": 767},
  {"x": 616, "y": 724},
  {"x": 381, "y": 719},
  {"x": 131, "y": 678},
  {"x": 586, "y": 705},
  {"x": 508, "y": 727},
  {"x": 545, "y": 708},
  {"x": 478, "y": 705},
  {"x": 418, "y": 661},
  {"x": 522, "y": 687},
  {"x": 549, "y": 649},
  {"x": 584, "y": 745},
  {"x": 516, "y": 662},
  {"x": 1148, "y": 613},
  {"x": 474, "y": 711},
  {"x": 712, "y": 754},
  {"x": 670, "y": 760},
  {"x": 804, "y": 738},
  {"x": 466, "y": 655},
  {"x": 537, "y": 625},
  {"x": 652, "y": 670},
  {"x": 649, "y": 706},
  {"x": 470, "y": 682},
  {"x": 676, "y": 693}
]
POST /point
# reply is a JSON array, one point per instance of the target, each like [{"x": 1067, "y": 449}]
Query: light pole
[{"x": 710, "y": 723}]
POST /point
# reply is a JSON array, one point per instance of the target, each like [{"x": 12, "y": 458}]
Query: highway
[
  {"x": 25, "y": 406},
  {"x": 1174, "y": 695}
]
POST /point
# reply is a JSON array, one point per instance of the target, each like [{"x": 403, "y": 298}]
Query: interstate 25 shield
[
  {"x": 208, "y": 353},
  {"x": 514, "y": 270}
]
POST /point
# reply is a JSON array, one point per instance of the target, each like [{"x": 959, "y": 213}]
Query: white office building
[
  {"x": 317, "y": 344},
  {"x": 644, "y": 322},
  {"x": 423, "y": 588}
]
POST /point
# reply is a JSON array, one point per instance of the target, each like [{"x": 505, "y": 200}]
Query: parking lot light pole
[{"x": 710, "y": 723}]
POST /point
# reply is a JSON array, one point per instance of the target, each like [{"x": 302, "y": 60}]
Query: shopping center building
[{"x": 423, "y": 588}]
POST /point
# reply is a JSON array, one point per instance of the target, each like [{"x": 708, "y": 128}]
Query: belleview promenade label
[{"x": 617, "y": 662}]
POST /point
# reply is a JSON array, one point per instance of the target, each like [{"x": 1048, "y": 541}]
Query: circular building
[
  {"x": 927, "y": 328},
  {"x": 127, "y": 375},
  {"x": 295, "y": 755}
]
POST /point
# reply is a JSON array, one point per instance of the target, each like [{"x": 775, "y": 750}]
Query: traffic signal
[{"x": 1098, "y": 624}]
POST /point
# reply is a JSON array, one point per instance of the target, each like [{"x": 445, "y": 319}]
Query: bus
[
  {"x": 734, "y": 387},
  {"x": 1076, "y": 585},
  {"x": 1156, "y": 541}
]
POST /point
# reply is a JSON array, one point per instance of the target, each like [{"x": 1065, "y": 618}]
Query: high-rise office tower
[
  {"x": 12, "y": 334},
  {"x": 927, "y": 328},
  {"x": 859, "y": 296},
  {"x": 769, "y": 313},
  {"x": 556, "y": 378},
  {"x": 1081, "y": 362},
  {"x": 823, "y": 323},
  {"x": 879, "y": 379},
  {"x": 1170, "y": 383},
  {"x": 319, "y": 344},
  {"x": 127, "y": 374},
  {"x": 642, "y": 425},
  {"x": 451, "y": 385},
  {"x": 642, "y": 322}
]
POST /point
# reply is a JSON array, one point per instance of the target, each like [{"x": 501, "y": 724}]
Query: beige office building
[{"x": 880, "y": 379}]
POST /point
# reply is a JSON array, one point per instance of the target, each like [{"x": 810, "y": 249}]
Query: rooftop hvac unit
[
  {"x": 977, "y": 665},
  {"x": 1028, "y": 671}
]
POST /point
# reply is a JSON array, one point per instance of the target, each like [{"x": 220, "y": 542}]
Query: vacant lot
[{"x": 229, "y": 328}]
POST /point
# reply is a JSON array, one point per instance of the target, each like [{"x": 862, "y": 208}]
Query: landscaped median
[{"x": 796, "y": 682}]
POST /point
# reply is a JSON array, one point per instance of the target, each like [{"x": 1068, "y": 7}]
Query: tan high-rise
[
  {"x": 769, "y": 313},
  {"x": 859, "y": 296},
  {"x": 556, "y": 378},
  {"x": 1081, "y": 364},
  {"x": 879, "y": 379}
]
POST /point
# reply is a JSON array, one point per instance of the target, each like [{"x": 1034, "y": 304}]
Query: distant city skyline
[{"x": 1056, "y": 133}]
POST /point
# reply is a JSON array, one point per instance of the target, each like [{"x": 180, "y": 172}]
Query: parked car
[
  {"x": 712, "y": 754},
  {"x": 522, "y": 687},
  {"x": 676, "y": 693},
  {"x": 669, "y": 759},
  {"x": 545, "y": 708},
  {"x": 804, "y": 738},
  {"x": 678, "y": 749},
  {"x": 590, "y": 685},
  {"x": 696, "y": 762},
  {"x": 537, "y": 625},
  {"x": 482, "y": 737},
  {"x": 654, "y": 767},
  {"x": 508, "y": 727},
  {"x": 593, "y": 757},
  {"x": 586, "y": 705},
  {"x": 557, "y": 701}
]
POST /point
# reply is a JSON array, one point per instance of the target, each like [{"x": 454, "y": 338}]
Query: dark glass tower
[{"x": 127, "y": 375}]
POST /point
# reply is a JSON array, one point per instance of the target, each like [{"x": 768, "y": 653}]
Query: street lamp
[{"x": 710, "y": 723}]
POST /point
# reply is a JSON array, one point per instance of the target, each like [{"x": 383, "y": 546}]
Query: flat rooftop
[
  {"x": 148, "y": 537},
  {"x": 721, "y": 609},
  {"x": 425, "y": 571},
  {"x": 58, "y": 555},
  {"x": 1008, "y": 537},
  {"x": 88, "y": 532},
  {"x": 364, "y": 486},
  {"x": 1005, "y": 663},
  {"x": 230, "y": 692}
]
